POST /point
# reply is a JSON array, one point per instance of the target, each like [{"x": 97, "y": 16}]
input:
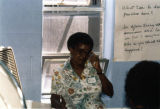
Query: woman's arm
[
  {"x": 107, "y": 87},
  {"x": 57, "y": 101}
]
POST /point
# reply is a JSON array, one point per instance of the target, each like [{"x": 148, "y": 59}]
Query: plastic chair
[
  {"x": 7, "y": 57},
  {"x": 11, "y": 95}
]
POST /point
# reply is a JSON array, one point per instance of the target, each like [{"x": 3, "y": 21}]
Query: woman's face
[{"x": 80, "y": 54}]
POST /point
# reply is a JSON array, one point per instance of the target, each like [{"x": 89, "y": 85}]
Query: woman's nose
[{"x": 83, "y": 55}]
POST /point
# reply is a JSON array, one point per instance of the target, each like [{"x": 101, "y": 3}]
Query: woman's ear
[{"x": 71, "y": 50}]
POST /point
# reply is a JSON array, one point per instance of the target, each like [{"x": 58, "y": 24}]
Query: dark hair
[
  {"x": 79, "y": 38},
  {"x": 143, "y": 83}
]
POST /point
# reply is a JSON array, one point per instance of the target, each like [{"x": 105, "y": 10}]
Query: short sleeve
[{"x": 57, "y": 83}]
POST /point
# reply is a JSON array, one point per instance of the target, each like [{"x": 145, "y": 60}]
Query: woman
[{"x": 81, "y": 81}]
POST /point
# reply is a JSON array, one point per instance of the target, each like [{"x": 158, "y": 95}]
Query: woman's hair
[
  {"x": 143, "y": 83},
  {"x": 79, "y": 38}
]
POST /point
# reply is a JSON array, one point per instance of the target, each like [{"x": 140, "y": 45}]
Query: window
[
  {"x": 67, "y": 2},
  {"x": 60, "y": 20}
]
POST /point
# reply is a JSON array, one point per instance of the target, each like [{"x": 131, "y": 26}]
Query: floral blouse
[{"x": 78, "y": 93}]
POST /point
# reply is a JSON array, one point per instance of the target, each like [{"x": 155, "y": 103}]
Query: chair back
[
  {"x": 104, "y": 64},
  {"x": 11, "y": 95},
  {"x": 7, "y": 57}
]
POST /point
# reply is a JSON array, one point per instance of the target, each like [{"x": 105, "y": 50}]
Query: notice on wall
[{"x": 137, "y": 30}]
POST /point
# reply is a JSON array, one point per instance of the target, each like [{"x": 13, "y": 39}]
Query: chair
[
  {"x": 104, "y": 64},
  {"x": 7, "y": 57},
  {"x": 11, "y": 95}
]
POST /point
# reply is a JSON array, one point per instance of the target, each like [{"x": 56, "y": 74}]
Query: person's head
[
  {"x": 80, "y": 45},
  {"x": 142, "y": 85}
]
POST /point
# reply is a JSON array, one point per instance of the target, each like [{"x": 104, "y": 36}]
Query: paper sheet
[{"x": 137, "y": 30}]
